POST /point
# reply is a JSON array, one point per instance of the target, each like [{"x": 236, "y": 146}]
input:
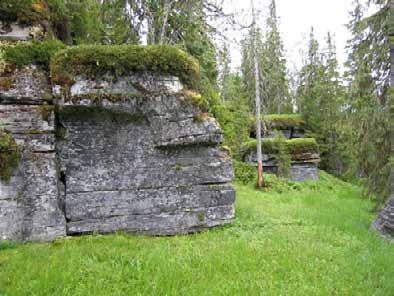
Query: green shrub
[
  {"x": 37, "y": 53},
  {"x": 94, "y": 60},
  {"x": 244, "y": 173},
  {"x": 9, "y": 156},
  {"x": 282, "y": 157},
  {"x": 268, "y": 146}
]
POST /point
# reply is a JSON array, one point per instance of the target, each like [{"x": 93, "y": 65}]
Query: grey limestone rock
[
  {"x": 384, "y": 223},
  {"x": 29, "y": 203},
  {"x": 29, "y": 86},
  {"x": 303, "y": 166},
  {"x": 142, "y": 164},
  {"x": 129, "y": 153},
  {"x": 14, "y": 32}
]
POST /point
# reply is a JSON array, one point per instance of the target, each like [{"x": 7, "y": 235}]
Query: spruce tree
[
  {"x": 224, "y": 61},
  {"x": 273, "y": 65},
  {"x": 310, "y": 81},
  {"x": 369, "y": 102}
]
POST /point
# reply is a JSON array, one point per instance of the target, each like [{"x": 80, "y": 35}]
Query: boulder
[
  {"x": 141, "y": 162},
  {"x": 384, "y": 223}
]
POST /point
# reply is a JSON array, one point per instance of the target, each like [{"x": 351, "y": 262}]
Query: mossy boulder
[
  {"x": 9, "y": 156},
  {"x": 284, "y": 121},
  {"x": 93, "y": 61},
  {"x": 291, "y": 125},
  {"x": 294, "y": 146}
]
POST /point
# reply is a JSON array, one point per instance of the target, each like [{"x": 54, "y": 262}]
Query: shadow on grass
[{"x": 6, "y": 245}]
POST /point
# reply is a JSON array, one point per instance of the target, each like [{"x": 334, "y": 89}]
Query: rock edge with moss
[{"x": 120, "y": 60}]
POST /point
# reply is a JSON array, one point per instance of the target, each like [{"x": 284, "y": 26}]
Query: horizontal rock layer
[
  {"x": 303, "y": 166},
  {"x": 142, "y": 164},
  {"x": 29, "y": 204},
  {"x": 130, "y": 153}
]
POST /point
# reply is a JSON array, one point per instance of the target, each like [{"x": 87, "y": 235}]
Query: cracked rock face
[
  {"x": 29, "y": 201},
  {"x": 144, "y": 162}
]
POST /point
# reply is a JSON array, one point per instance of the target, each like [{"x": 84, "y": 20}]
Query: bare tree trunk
[
  {"x": 167, "y": 6},
  {"x": 260, "y": 179}
]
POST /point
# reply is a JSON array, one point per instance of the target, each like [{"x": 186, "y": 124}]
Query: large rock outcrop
[
  {"x": 130, "y": 152},
  {"x": 29, "y": 200},
  {"x": 141, "y": 161},
  {"x": 303, "y": 156}
]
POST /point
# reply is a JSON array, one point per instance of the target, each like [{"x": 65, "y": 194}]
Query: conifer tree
[
  {"x": 273, "y": 65},
  {"x": 224, "y": 61},
  {"x": 310, "y": 81},
  {"x": 369, "y": 102}
]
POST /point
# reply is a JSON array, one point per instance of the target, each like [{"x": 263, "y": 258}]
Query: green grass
[{"x": 309, "y": 238}]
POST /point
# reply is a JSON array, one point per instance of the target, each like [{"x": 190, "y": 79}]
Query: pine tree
[
  {"x": 119, "y": 25},
  {"x": 224, "y": 71},
  {"x": 253, "y": 41},
  {"x": 310, "y": 81},
  {"x": 368, "y": 74},
  {"x": 273, "y": 65},
  {"x": 331, "y": 102},
  {"x": 321, "y": 101}
]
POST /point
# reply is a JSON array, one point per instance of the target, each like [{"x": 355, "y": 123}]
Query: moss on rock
[
  {"x": 46, "y": 112},
  {"x": 284, "y": 121},
  {"x": 295, "y": 146},
  {"x": 37, "y": 53},
  {"x": 6, "y": 82},
  {"x": 9, "y": 156},
  {"x": 279, "y": 122},
  {"x": 95, "y": 60},
  {"x": 302, "y": 145}
]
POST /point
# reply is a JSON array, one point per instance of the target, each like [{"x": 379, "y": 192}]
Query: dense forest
[{"x": 348, "y": 114}]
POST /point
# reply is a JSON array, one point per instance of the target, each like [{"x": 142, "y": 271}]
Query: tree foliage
[{"x": 369, "y": 101}]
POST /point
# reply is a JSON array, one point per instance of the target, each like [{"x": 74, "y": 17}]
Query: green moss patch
[
  {"x": 284, "y": 121},
  {"x": 37, "y": 53},
  {"x": 302, "y": 145},
  {"x": 95, "y": 60},
  {"x": 9, "y": 156},
  {"x": 295, "y": 146}
]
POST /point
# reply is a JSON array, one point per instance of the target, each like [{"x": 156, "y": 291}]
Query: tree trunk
[
  {"x": 260, "y": 179},
  {"x": 167, "y": 6}
]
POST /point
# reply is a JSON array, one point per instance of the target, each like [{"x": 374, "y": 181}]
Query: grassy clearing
[{"x": 309, "y": 238}]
